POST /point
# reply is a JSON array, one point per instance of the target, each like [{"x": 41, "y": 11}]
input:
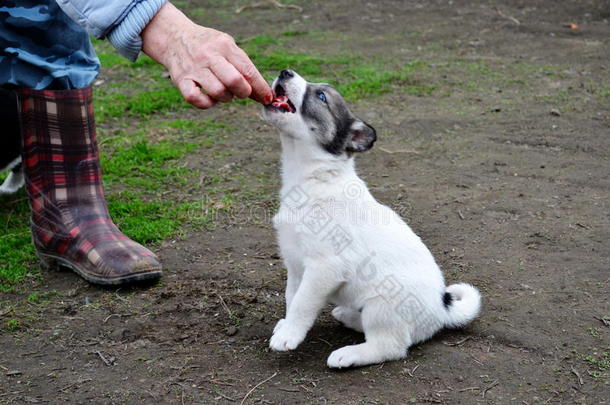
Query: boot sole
[{"x": 49, "y": 261}]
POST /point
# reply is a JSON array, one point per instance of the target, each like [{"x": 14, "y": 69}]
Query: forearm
[{"x": 160, "y": 37}]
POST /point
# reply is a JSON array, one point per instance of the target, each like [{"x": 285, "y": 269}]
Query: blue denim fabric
[
  {"x": 45, "y": 44},
  {"x": 42, "y": 48}
]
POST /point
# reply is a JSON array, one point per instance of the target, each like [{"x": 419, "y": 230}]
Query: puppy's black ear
[{"x": 361, "y": 137}]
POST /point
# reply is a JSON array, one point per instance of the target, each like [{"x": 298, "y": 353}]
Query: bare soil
[{"x": 509, "y": 189}]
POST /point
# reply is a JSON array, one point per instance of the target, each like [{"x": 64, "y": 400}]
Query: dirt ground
[{"x": 508, "y": 185}]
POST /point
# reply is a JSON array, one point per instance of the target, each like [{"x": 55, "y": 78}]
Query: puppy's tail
[{"x": 463, "y": 303}]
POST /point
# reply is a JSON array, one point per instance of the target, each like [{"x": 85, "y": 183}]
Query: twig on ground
[
  {"x": 603, "y": 320},
  {"x": 106, "y": 361},
  {"x": 573, "y": 370},
  {"x": 490, "y": 386},
  {"x": 64, "y": 389},
  {"x": 288, "y": 389},
  {"x": 226, "y": 397},
  {"x": 5, "y": 394},
  {"x": 325, "y": 341},
  {"x": 476, "y": 360},
  {"x": 255, "y": 387},
  {"x": 225, "y": 306},
  {"x": 264, "y": 3},
  {"x": 118, "y": 297},
  {"x": 305, "y": 388},
  {"x": 110, "y": 316},
  {"x": 399, "y": 151},
  {"x": 459, "y": 342},
  {"x": 412, "y": 372},
  {"x": 469, "y": 389},
  {"x": 28, "y": 354},
  {"x": 13, "y": 373},
  {"x": 508, "y": 17}
]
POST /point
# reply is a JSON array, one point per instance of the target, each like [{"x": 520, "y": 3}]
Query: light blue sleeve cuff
[{"x": 125, "y": 37}]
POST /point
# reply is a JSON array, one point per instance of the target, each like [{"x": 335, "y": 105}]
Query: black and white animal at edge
[{"x": 10, "y": 143}]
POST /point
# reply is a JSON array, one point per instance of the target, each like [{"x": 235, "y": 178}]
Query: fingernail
[{"x": 268, "y": 99}]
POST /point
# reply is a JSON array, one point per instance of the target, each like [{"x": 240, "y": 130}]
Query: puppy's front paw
[
  {"x": 285, "y": 337},
  {"x": 278, "y": 325},
  {"x": 348, "y": 356}
]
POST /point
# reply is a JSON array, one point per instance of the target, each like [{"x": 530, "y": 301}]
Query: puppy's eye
[{"x": 322, "y": 96}]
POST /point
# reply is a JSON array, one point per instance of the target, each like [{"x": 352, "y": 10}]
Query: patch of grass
[
  {"x": 136, "y": 168},
  {"x": 353, "y": 76},
  {"x": 598, "y": 361},
  {"x": 140, "y": 104},
  {"x": 149, "y": 222},
  {"x": 143, "y": 164},
  {"x": 13, "y": 325},
  {"x": 368, "y": 81},
  {"x": 16, "y": 250}
]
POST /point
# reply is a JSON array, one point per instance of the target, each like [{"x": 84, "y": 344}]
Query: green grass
[
  {"x": 353, "y": 76},
  {"x": 138, "y": 166},
  {"x": 13, "y": 325},
  {"x": 367, "y": 80},
  {"x": 16, "y": 251},
  {"x": 599, "y": 363}
]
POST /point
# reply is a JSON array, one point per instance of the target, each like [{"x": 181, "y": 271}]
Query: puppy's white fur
[
  {"x": 341, "y": 246},
  {"x": 14, "y": 180}
]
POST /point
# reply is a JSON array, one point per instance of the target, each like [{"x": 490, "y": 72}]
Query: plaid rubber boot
[{"x": 70, "y": 221}]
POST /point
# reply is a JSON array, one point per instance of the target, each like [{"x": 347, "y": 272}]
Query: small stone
[
  {"x": 555, "y": 112},
  {"x": 231, "y": 331}
]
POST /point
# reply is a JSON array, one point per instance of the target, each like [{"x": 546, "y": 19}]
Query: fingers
[
  {"x": 231, "y": 78},
  {"x": 212, "y": 86},
  {"x": 261, "y": 91},
  {"x": 193, "y": 95}
]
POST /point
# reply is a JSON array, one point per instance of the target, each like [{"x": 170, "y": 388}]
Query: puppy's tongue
[{"x": 281, "y": 102}]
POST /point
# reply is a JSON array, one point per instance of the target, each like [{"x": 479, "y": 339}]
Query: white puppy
[{"x": 341, "y": 246}]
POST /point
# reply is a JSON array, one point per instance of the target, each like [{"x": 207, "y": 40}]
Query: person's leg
[{"x": 51, "y": 62}]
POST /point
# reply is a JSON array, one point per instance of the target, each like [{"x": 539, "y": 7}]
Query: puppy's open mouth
[{"x": 280, "y": 101}]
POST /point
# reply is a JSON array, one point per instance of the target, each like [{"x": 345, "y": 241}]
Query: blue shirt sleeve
[
  {"x": 125, "y": 37},
  {"x": 121, "y": 21}
]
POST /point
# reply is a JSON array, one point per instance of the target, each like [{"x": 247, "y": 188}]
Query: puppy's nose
[{"x": 286, "y": 74}]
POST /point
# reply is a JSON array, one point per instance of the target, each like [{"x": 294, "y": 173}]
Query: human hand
[{"x": 205, "y": 64}]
